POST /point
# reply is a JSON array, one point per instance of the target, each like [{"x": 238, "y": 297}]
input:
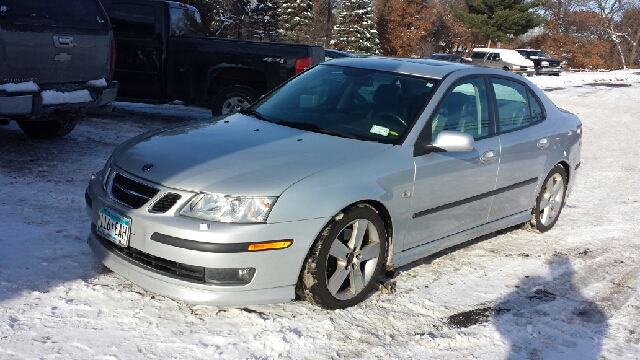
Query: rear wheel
[
  {"x": 55, "y": 127},
  {"x": 550, "y": 200},
  {"x": 346, "y": 260},
  {"x": 232, "y": 99}
]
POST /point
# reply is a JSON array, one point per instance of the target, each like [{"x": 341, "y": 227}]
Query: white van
[{"x": 505, "y": 59}]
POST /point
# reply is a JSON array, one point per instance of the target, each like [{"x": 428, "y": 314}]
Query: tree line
[{"x": 597, "y": 34}]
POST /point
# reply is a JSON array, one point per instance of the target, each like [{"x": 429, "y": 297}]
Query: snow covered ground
[{"x": 571, "y": 293}]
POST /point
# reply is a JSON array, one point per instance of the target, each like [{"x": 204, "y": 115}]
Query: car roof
[{"x": 421, "y": 67}]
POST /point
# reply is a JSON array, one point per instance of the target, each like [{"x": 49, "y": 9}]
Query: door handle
[
  {"x": 63, "y": 41},
  {"x": 488, "y": 157},
  {"x": 543, "y": 143}
]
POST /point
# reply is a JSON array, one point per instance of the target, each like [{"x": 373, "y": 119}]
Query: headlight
[
  {"x": 230, "y": 209},
  {"x": 544, "y": 63},
  {"x": 516, "y": 68}
]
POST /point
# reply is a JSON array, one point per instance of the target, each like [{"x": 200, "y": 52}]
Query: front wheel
[
  {"x": 346, "y": 259},
  {"x": 550, "y": 200},
  {"x": 232, "y": 99}
]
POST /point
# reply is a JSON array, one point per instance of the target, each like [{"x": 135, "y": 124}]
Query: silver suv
[{"x": 58, "y": 60}]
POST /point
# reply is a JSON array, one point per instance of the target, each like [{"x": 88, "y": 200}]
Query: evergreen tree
[
  {"x": 356, "y": 28},
  {"x": 264, "y": 20},
  {"x": 501, "y": 20},
  {"x": 296, "y": 21}
]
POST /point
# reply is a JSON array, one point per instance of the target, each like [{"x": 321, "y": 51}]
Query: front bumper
[
  {"x": 31, "y": 104},
  {"x": 549, "y": 70},
  {"x": 276, "y": 273},
  {"x": 525, "y": 71}
]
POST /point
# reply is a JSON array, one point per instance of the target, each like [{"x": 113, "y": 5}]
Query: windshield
[
  {"x": 350, "y": 102},
  {"x": 535, "y": 53}
]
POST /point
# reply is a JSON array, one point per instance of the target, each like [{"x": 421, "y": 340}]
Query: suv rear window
[{"x": 72, "y": 13}]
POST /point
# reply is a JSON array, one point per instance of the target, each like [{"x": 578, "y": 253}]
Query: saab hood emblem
[
  {"x": 147, "y": 167},
  {"x": 62, "y": 57}
]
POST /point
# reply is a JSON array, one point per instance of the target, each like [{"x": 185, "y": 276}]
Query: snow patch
[
  {"x": 97, "y": 83},
  {"x": 20, "y": 87},
  {"x": 52, "y": 97}
]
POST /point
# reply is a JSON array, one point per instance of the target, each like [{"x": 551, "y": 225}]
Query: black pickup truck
[
  {"x": 159, "y": 58},
  {"x": 543, "y": 63}
]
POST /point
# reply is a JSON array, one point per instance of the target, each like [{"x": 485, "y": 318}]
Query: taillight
[
  {"x": 302, "y": 64},
  {"x": 112, "y": 63},
  {"x": 579, "y": 131}
]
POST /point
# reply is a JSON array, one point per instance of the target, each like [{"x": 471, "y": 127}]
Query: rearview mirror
[{"x": 447, "y": 141}]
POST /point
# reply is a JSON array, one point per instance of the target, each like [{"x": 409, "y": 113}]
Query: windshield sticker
[{"x": 375, "y": 129}]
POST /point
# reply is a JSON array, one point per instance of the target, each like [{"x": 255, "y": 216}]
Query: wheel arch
[
  {"x": 224, "y": 77},
  {"x": 566, "y": 167},
  {"x": 379, "y": 208}
]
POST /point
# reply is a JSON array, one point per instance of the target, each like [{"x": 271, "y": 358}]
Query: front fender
[{"x": 383, "y": 177}]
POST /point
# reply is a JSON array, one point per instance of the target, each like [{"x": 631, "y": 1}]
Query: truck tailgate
[{"x": 40, "y": 49}]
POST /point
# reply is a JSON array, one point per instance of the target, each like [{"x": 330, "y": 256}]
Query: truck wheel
[
  {"x": 53, "y": 128},
  {"x": 232, "y": 99}
]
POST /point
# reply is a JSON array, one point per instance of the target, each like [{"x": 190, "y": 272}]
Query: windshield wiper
[
  {"x": 313, "y": 128},
  {"x": 254, "y": 114}
]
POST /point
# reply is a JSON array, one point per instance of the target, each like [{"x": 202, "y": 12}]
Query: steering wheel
[
  {"x": 391, "y": 115},
  {"x": 358, "y": 98}
]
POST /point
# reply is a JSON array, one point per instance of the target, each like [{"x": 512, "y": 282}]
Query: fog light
[{"x": 241, "y": 276}]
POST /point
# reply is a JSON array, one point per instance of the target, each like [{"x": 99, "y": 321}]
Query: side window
[
  {"x": 132, "y": 20},
  {"x": 513, "y": 101},
  {"x": 463, "y": 109},
  {"x": 184, "y": 22},
  {"x": 536, "y": 109}
]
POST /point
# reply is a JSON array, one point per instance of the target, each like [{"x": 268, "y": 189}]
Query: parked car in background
[
  {"x": 330, "y": 54},
  {"x": 160, "y": 58},
  {"x": 509, "y": 60},
  {"x": 57, "y": 61},
  {"x": 355, "y": 166},
  {"x": 450, "y": 58},
  {"x": 543, "y": 63}
]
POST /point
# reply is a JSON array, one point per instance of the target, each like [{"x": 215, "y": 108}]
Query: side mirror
[{"x": 446, "y": 141}]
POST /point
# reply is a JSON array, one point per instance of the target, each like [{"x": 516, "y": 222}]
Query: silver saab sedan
[{"x": 355, "y": 166}]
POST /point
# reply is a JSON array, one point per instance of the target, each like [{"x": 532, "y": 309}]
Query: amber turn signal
[{"x": 270, "y": 245}]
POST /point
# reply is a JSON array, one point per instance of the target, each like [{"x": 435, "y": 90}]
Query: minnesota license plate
[{"x": 114, "y": 226}]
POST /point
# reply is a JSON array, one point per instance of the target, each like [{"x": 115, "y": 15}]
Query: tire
[
  {"x": 53, "y": 128},
  {"x": 232, "y": 99},
  {"x": 550, "y": 200},
  {"x": 339, "y": 272}
]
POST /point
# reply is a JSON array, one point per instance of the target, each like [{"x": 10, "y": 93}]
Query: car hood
[
  {"x": 237, "y": 155},
  {"x": 518, "y": 61}
]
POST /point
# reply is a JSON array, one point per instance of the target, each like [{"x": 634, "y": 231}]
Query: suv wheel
[{"x": 54, "y": 127}]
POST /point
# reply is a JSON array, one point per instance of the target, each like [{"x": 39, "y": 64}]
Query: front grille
[
  {"x": 165, "y": 203},
  {"x": 130, "y": 192},
  {"x": 176, "y": 269}
]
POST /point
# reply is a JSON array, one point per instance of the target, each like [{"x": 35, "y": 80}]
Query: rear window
[
  {"x": 133, "y": 20},
  {"x": 478, "y": 55},
  {"x": 72, "y": 13}
]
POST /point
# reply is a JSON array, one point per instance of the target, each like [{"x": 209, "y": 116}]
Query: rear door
[
  {"x": 53, "y": 41},
  {"x": 526, "y": 142}
]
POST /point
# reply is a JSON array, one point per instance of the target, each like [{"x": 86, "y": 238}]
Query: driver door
[{"x": 453, "y": 191}]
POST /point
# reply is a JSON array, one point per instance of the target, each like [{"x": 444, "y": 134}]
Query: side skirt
[{"x": 422, "y": 251}]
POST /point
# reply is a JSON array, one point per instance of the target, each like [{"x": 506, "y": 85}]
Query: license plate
[{"x": 114, "y": 226}]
